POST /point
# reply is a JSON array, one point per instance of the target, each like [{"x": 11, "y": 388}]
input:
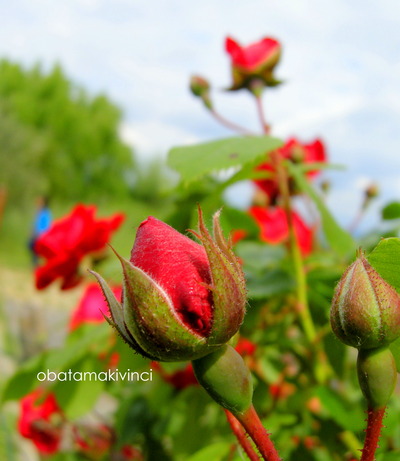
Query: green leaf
[
  {"x": 216, "y": 452},
  {"x": 193, "y": 162},
  {"x": 24, "y": 380},
  {"x": 391, "y": 211},
  {"x": 385, "y": 259},
  {"x": 79, "y": 394},
  {"x": 340, "y": 240},
  {"x": 395, "y": 348},
  {"x": 334, "y": 405}
]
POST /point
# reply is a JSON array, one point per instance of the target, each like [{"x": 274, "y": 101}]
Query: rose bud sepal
[
  {"x": 117, "y": 319},
  {"x": 377, "y": 376},
  {"x": 226, "y": 378},
  {"x": 228, "y": 283},
  {"x": 365, "y": 309}
]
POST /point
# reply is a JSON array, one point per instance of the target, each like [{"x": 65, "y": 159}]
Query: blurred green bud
[
  {"x": 365, "y": 310},
  {"x": 200, "y": 87},
  {"x": 377, "y": 375},
  {"x": 225, "y": 377}
]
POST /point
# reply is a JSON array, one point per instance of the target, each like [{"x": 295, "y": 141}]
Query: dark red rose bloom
[
  {"x": 274, "y": 228},
  {"x": 180, "y": 267},
  {"x": 40, "y": 421},
  {"x": 130, "y": 453},
  {"x": 91, "y": 306},
  {"x": 255, "y": 61},
  {"x": 93, "y": 441},
  {"x": 68, "y": 240},
  {"x": 298, "y": 153}
]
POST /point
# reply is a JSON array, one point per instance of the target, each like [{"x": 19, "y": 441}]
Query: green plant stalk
[{"x": 300, "y": 276}]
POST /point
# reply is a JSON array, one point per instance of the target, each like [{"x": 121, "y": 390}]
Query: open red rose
[
  {"x": 255, "y": 61},
  {"x": 92, "y": 306},
  {"x": 297, "y": 152},
  {"x": 40, "y": 421},
  {"x": 274, "y": 227},
  {"x": 68, "y": 240}
]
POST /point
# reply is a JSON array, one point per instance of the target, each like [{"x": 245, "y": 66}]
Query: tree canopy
[{"x": 58, "y": 140}]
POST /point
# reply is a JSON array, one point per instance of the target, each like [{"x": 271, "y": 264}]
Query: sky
[{"x": 340, "y": 65}]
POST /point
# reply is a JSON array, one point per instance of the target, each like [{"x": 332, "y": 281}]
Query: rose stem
[
  {"x": 373, "y": 432},
  {"x": 253, "y": 426},
  {"x": 260, "y": 109},
  {"x": 241, "y": 436},
  {"x": 232, "y": 126},
  {"x": 283, "y": 183}
]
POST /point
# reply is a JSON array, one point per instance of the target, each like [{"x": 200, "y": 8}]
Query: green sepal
[
  {"x": 152, "y": 321},
  {"x": 228, "y": 284},
  {"x": 226, "y": 378},
  {"x": 117, "y": 319},
  {"x": 377, "y": 375}
]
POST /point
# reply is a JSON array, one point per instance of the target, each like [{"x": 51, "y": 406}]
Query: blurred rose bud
[
  {"x": 365, "y": 310},
  {"x": 253, "y": 65},
  {"x": 181, "y": 300},
  {"x": 200, "y": 87}
]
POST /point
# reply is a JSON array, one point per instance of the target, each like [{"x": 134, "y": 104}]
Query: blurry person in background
[{"x": 41, "y": 224}]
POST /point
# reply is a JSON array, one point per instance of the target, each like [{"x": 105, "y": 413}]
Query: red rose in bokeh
[
  {"x": 298, "y": 153},
  {"x": 91, "y": 306},
  {"x": 274, "y": 227},
  {"x": 40, "y": 421},
  {"x": 94, "y": 442},
  {"x": 253, "y": 62},
  {"x": 68, "y": 240}
]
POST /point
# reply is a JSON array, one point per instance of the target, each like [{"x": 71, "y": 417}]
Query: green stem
[
  {"x": 231, "y": 125},
  {"x": 300, "y": 276}
]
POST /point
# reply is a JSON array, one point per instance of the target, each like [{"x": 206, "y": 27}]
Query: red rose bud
[
  {"x": 181, "y": 300},
  {"x": 365, "y": 310},
  {"x": 253, "y": 64},
  {"x": 377, "y": 375},
  {"x": 226, "y": 378}
]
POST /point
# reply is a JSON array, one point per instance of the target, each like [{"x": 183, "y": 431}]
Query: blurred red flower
[
  {"x": 91, "y": 306},
  {"x": 298, "y": 153},
  {"x": 255, "y": 61},
  {"x": 94, "y": 442},
  {"x": 40, "y": 421},
  {"x": 68, "y": 240},
  {"x": 274, "y": 227}
]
